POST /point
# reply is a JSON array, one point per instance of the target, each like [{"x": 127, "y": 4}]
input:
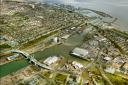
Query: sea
[{"x": 116, "y": 8}]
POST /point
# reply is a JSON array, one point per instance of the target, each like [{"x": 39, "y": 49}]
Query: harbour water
[{"x": 116, "y": 8}]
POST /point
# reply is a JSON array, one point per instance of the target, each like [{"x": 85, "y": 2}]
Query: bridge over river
[{"x": 31, "y": 59}]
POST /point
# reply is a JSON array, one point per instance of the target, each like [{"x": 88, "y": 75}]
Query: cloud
[{"x": 108, "y": 2}]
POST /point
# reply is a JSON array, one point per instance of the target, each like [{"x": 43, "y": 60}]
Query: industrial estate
[{"x": 56, "y": 44}]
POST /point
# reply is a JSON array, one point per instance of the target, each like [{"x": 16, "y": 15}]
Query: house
[
  {"x": 107, "y": 58},
  {"x": 77, "y": 65}
]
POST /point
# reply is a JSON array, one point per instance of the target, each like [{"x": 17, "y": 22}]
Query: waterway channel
[{"x": 63, "y": 50}]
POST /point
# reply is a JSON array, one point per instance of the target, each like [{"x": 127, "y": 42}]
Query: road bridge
[{"x": 31, "y": 59}]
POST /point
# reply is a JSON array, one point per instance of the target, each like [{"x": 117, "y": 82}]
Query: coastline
[{"x": 119, "y": 26}]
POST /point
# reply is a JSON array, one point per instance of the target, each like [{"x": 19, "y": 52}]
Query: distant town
[{"x": 56, "y": 44}]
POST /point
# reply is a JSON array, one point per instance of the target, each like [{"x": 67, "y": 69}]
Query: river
[{"x": 63, "y": 50}]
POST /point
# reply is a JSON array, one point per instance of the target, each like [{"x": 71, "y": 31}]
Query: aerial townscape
[{"x": 55, "y": 44}]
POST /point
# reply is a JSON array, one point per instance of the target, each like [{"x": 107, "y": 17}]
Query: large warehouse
[{"x": 80, "y": 52}]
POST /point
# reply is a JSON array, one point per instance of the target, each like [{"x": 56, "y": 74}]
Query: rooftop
[
  {"x": 77, "y": 64},
  {"x": 51, "y": 60},
  {"x": 80, "y": 52}
]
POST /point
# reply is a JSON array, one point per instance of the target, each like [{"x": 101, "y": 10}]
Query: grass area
[
  {"x": 35, "y": 68},
  {"x": 4, "y": 46},
  {"x": 56, "y": 79},
  {"x": 35, "y": 41},
  {"x": 116, "y": 80},
  {"x": 46, "y": 74},
  {"x": 61, "y": 78},
  {"x": 94, "y": 70},
  {"x": 85, "y": 75},
  {"x": 81, "y": 82},
  {"x": 99, "y": 80}
]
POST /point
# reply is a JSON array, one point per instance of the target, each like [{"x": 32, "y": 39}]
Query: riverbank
[
  {"x": 61, "y": 49},
  {"x": 43, "y": 53}
]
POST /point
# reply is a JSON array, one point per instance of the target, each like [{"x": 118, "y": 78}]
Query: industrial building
[
  {"x": 80, "y": 52},
  {"x": 77, "y": 64},
  {"x": 51, "y": 60}
]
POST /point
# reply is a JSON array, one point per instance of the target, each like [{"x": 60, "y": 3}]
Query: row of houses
[{"x": 119, "y": 64}]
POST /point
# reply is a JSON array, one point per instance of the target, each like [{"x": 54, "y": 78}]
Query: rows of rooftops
[{"x": 25, "y": 22}]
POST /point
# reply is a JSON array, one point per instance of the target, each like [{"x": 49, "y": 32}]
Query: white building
[
  {"x": 51, "y": 60},
  {"x": 65, "y": 36},
  {"x": 12, "y": 57},
  {"x": 103, "y": 39},
  {"x": 73, "y": 28},
  {"x": 107, "y": 58},
  {"x": 80, "y": 52},
  {"x": 77, "y": 64},
  {"x": 56, "y": 39},
  {"x": 32, "y": 5},
  {"x": 110, "y": 70}
]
